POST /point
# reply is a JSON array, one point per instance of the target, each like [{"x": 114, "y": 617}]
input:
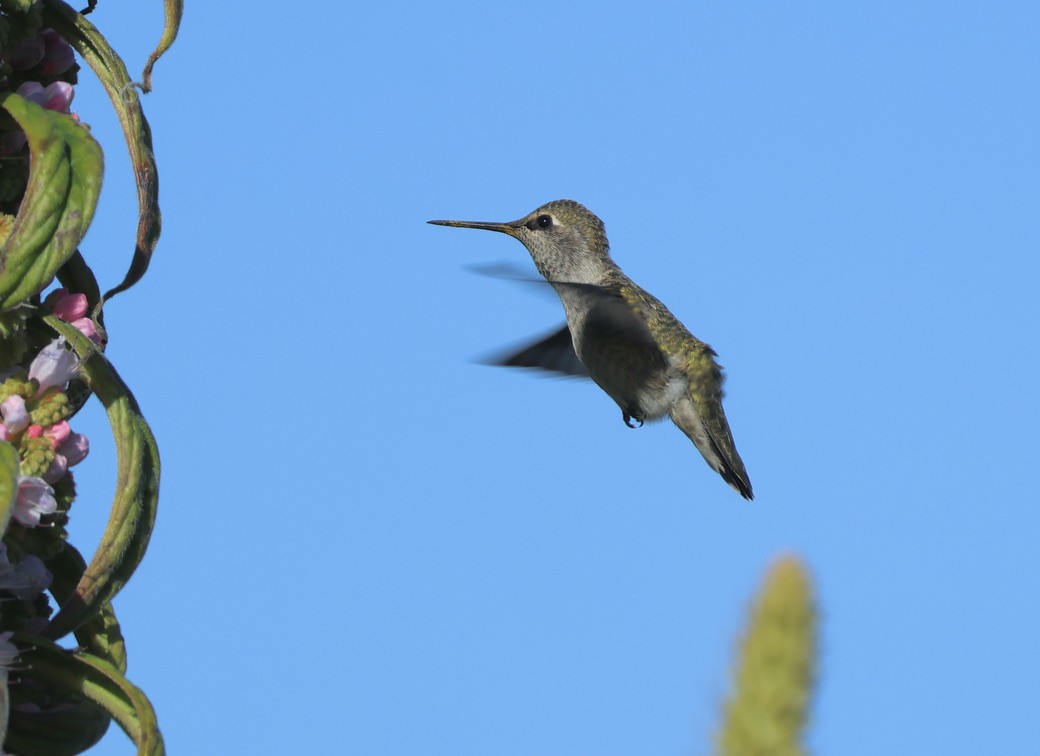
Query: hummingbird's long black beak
[{"x": 504, "y": 228}]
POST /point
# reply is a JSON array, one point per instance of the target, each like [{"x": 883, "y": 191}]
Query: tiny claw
[{"x": 628, "y": 420}]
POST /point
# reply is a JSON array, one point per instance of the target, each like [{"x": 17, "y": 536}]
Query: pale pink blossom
[
  {"x": 35, "y": 500},
  {"x": 16, "y": 416},
  {"x": 27, "y": 579},
  {"x": 56, "y": 470},
  {"x": 34, "y": 577},
  {"x": 55, "y": 365}
]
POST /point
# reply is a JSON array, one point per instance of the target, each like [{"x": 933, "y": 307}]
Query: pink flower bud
[
  {"x": 86, "y": 327},
  {"x": 75, "y": 448},
  {"x": 56, "y": 96},
  {"x": 58, "y": 56},
  {"x": 58, "y": 433},
  {"x": 70, "y": 307}
]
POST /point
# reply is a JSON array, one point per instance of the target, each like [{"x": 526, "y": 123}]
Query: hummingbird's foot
[{"x": 628, "y": 420}]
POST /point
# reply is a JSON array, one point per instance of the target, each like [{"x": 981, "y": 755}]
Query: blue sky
[{"x": 369, "y": 543}]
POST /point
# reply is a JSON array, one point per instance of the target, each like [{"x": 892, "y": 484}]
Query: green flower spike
[{"x": 767, "y": 712}]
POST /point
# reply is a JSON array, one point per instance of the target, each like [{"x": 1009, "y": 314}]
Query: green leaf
[
  {"x": 88, "y": 168},
  {"x": 111, "y": 71},
  {"x": 100, "y": 635},
  {"x": 82, "y": 674},
  {"x": 132, "y": 517},
  {"x": 64, "y": 183},
  {"x": 70, "y": 730},
  {"x": 8, "y": 483}
]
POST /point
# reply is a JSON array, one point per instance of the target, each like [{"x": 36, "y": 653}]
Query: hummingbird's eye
[{"x": 544, "y": 221}]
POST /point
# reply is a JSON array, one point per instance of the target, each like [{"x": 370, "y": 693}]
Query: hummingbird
[{"x": 620, "y": 335}]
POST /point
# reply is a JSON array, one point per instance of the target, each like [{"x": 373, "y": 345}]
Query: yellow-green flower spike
[
  {"x": 37, "y": 455},
  {"x": 769, "y": 706},
  {"x": 51, "y": 408},
  {"x": 19, "y": 385}
]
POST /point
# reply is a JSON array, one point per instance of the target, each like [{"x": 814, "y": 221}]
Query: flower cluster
[
  {"x": 34, "y": 412},
  {"x": 34, "y": 408}
]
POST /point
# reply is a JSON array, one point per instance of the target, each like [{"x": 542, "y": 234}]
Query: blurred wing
[{"x": 554, "y": 353}]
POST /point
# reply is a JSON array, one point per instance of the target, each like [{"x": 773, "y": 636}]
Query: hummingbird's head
[{"x": 566, "y": 240}]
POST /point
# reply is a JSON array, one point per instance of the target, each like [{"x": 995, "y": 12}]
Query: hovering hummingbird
[{"x": 621, "y": 336}]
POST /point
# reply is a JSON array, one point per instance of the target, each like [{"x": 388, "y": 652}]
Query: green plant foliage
[
  {"x": 78, "y": 677},
  {"x": 137, "y": 489},
  {"x": 51, "y": 352}
]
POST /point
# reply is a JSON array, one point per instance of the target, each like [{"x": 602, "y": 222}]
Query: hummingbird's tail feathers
[
  {"x": 735, "y": 475},
  {"x": 711, "y": 435}
]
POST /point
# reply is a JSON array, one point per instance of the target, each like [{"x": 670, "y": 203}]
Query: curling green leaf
[
  {"x": 132, "y": 517},
  {"x": 64, "y": 183},
  {"x": 81, "y": 674}
]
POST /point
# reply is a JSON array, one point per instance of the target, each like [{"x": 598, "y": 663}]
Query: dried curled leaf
[{"x": 112, "y": 73}]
